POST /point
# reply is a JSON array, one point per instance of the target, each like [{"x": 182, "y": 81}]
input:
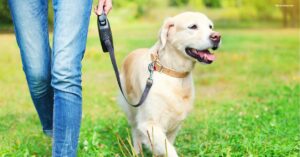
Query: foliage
[
  {"x": 230, "y": 11},
  {"x": 5, "y": 16},
  {"x": 212, "y": 3},
  {"x": 4, "y": 12},
  {"x": 50, "y": 13},
  {"x": 290, "y": 13},
  {"x": 142, "y": 7},
  {"x": 196, "y": 4},
  {"x": 178, "y": 2},
  {"x": 139, "y": 8}
]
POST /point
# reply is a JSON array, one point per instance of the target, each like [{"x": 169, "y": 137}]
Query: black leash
[{"x": 106, "y": 40}]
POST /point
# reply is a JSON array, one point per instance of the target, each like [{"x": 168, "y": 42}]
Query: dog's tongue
[{"x": 206, "y": 55}]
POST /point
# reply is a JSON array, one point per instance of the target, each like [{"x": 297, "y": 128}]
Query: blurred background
[
  {"x": 225, "y": 13},
  {"x": 247, "y": 101}
]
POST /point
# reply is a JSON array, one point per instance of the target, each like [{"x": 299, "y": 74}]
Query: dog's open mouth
[{"x": 201, "y": 55}]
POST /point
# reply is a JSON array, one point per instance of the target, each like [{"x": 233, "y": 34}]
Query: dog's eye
[
  {"x": 210, "y": 26},
  {"x": 193, "y": 27}
]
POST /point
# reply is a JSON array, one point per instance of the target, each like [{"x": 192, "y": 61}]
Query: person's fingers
[
  {"x": 99, "y": 7},
  {"x": 95, "y": 9},
  {"x": 107, "y": 9},
  {"x": 107, "y": 6}
]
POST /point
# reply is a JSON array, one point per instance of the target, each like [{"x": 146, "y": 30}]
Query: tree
[{"x": 290, "y": 13}]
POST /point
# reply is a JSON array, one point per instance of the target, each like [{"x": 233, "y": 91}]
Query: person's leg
[
  {"x": 71, "y": 19},
  {"x": 31, "y": 29}
]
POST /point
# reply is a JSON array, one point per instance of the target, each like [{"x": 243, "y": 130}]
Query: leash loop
[{"x": 105, "y": 36}]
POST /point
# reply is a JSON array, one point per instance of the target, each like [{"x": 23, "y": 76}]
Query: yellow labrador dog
[{"x": 183, "y": 40}]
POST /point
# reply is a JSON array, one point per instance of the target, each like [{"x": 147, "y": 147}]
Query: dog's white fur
[{"x": 170, "y": 99}]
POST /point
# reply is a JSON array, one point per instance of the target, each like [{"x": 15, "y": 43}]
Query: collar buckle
[{"x": 158, "y": 66}]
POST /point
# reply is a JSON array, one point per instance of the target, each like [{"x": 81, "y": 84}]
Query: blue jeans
[{"x": 54, "y": 76}]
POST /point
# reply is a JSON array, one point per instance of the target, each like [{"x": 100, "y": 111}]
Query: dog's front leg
[
  {"x": 156, "y": 140},
  {"x": 172, "y": 134},
  {"x": 136, "y": 140}
]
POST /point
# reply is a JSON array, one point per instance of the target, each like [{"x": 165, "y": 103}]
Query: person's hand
[{"x": 105, "y": 5}]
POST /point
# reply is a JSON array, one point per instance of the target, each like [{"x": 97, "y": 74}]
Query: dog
[{"x": 184, "y": 40}]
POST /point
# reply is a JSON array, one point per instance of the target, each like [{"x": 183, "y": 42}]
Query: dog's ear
[{"x": 164, "y": 31}]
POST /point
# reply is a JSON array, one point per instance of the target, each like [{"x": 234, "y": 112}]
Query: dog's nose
[{"x": 215, "y": 37}]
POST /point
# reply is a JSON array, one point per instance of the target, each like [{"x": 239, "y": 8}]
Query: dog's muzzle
[{"x": 215, "y": 38}]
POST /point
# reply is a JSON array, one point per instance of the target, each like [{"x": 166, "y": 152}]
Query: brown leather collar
[{"x": 160, "y": 68}]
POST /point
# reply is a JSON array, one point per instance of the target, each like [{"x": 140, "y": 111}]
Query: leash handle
[
  {"x": 104, "y": 31},
  {"x": 106, "y": 41}
]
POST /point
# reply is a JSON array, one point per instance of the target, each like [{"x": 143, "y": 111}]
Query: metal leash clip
[{"x": 151, "y": 70}]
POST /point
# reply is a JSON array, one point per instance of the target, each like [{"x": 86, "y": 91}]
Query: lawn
[{"x": 247, "y": 101}]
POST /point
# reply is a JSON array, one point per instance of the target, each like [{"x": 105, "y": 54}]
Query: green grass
[{"x": 247, "y": 101}]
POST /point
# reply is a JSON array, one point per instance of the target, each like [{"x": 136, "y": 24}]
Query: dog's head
[{"x": 191, "y": 34}]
